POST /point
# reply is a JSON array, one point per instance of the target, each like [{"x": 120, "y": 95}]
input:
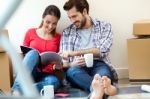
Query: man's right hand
[
  {"x": 80, "y": 61},
  {"x": 65, "y": 54}
]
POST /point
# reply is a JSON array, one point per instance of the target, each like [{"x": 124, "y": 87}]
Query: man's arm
[
  {"x": 66, "y": 54},
  {"x": 95, "y": 51}
]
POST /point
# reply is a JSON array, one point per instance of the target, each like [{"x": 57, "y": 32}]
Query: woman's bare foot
[{"x": 98, "y": 88}]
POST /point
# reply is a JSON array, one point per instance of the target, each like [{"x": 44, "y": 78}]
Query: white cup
[
  {"x": 145, "y": 88},
  {"x": 48, "y": 91},
  {"x": 88, "y": 59}
]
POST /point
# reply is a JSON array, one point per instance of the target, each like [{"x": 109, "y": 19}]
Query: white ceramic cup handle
[{"x": 41, "y": 92}]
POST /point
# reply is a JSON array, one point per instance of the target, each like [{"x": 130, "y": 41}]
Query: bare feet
[
  {"x": 98, "y": 87},
  {"x": 101, "y": 86}
]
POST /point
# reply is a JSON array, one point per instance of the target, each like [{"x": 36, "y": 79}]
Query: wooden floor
[{"x": 126, "y": 94}]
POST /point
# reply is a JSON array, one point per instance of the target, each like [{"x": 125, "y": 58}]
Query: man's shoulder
[
  {"x": 69, "y": 28},
  {"x": 100, "y": 22}
]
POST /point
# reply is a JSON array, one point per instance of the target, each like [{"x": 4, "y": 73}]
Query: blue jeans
[
  {"x": 82, "y": 76},
  {"x": 31, "y": 60}
]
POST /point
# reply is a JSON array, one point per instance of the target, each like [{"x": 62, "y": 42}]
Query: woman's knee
[
  {"x": 52, "y": 80},
  {"x": 32, "y": 57},
  {"x": 33, "y": 53}
]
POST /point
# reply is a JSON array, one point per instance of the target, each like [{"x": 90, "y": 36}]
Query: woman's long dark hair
[{"x": 51, "y": 10}]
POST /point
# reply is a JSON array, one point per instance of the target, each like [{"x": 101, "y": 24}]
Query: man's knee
[
  {"x": 106, "y": 72},
  {"x": 72, "y": 70}
]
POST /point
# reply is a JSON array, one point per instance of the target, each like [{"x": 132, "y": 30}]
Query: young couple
[{"x": 84, "y": 35}]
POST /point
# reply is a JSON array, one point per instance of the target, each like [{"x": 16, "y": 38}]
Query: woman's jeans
[
  {"x": 82, "y": 76},
  {"x": 31, "y": 61}
]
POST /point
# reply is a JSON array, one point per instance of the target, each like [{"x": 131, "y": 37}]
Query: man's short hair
[{"x": 80, "y": 5}]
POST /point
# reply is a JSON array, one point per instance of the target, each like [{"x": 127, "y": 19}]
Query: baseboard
[
  {"x": 139, "y": 81},
  {"x": 122, "y": 73}
]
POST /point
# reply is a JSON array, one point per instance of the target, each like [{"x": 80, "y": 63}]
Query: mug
[
  {"x": 88, "y": 59},
  {"x": 48, "y": 91}
]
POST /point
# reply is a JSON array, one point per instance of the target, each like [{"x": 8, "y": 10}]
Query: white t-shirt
[{"x": 86, "y": 38}]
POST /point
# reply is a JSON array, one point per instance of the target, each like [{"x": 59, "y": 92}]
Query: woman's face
[{"x": 49, "y": 23}]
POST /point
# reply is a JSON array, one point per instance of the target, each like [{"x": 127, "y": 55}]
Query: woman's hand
[{"x": 57, "y": 65}]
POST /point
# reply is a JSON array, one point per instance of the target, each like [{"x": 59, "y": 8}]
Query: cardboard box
[
  {"x": 5, "y": 33},
  {"x": 141, "y": 27},
  {"x": 6, "y": 75},
  {"x": 139, "y": 59}
]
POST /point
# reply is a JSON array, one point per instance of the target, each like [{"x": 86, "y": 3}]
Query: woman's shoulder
[
  {"x": 31, "y": 31},
  {"x": 58, "y": 34}
]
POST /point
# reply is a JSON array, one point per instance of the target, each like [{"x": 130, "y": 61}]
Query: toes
[{"x": 97, "y": 77}]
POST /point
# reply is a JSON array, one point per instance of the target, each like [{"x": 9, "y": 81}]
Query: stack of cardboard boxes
[
  {"x": 139, "y": 52},
  {"x": 5, "y": 68}
]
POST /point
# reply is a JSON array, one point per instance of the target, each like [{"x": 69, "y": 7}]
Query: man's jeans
[
  {"x": 82, "y": 76},
  {"x": 31, "y": 61}
]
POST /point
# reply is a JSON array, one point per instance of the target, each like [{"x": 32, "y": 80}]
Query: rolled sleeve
[
  {"x": 105, "y": 41},
  {"x": 63, "y": 41}
]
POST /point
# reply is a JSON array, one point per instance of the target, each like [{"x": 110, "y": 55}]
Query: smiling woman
[{"x": 42, "y": 39}]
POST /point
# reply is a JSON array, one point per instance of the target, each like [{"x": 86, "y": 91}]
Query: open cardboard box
[
  {"x": 141, "y": 27},
  {"x": 6, "y": 73},
  {"x": 139, "y": 59},
  {"x": 5, "y": 33}
]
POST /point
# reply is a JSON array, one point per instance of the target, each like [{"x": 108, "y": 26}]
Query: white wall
[{"x": 120, "y": 13}]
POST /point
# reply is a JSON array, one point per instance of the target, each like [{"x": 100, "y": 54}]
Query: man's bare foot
[
  {"x": 106, "y": 82},
  {"x": 98, "y": 88},
  {"x": 108, "y": 88}
]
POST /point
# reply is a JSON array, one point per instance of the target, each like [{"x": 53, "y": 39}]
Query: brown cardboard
[
  {"x": 141, "y": 27},
  {"x": 5, "y": 72},
  {"x": 139, "y": 58},
  {"x": 5, "y": 33}
]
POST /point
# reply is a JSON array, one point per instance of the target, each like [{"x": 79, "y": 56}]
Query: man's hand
[
  {"x": 80, "y": 61},
  {"x": 66, "y": 54}
]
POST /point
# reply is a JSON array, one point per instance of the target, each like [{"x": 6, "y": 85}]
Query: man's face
[{"x": 76, "y": 17}]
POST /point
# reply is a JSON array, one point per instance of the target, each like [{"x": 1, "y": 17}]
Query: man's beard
[{"x": 83, "y": 22}]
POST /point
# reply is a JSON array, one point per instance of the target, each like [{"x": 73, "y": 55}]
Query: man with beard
[{"x": 87, "y": 35}]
